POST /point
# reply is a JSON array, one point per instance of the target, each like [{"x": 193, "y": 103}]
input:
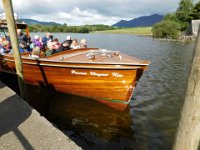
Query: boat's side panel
[{"x": 107, "y": 85}]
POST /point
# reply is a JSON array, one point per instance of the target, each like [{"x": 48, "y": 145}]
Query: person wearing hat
[
  {"x": 68, "y": 40},
  {"x": 36, "y": 42},
  {"x": 64, "y": 46},
  {"x": 83, "y": 43}
]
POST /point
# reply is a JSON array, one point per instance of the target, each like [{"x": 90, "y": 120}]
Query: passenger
[
  {"x": 83, "y": 43},
  {"x": 45, "y": 39},
  {"x": 22, "y": 36},
  {"x": 64, "y": 46},
  {"x": 74, "y": 44},
  {"x": 8, "y": 37},
  {"x": 2, "y": 50},
  {"x": 50, "y": 50},
  {"x": 35, "y": 53},
  {"x": 5, "y": 47},
  {"x": 51, "y": 37},
  {"x": 23, "y": 47},
  {"x": 32, "y": 46},
  {"x": 36, "y": 41},
  {"x": 40, "y": 39},
  {"x": 68, "y": 40},
  {"x": 56, "y": 44},
  {"x": 1, "y": 40}
]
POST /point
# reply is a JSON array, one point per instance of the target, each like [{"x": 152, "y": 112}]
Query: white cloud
[
  {"x": 77, "y": 17},
  {"x": 90, "y": 11}
]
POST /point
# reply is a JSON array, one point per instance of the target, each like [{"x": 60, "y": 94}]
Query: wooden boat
[{"x": 107, "y": 76}]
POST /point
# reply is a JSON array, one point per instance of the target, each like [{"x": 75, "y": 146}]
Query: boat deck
[{"x": 96, "y": 56}]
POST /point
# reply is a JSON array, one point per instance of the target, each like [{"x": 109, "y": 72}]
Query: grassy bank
[{"x": 138, "y": 31}]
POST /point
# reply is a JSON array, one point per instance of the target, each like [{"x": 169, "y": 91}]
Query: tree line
[
  {"x": 173, "y": 24},
  {"x": 71, "y": 29}
]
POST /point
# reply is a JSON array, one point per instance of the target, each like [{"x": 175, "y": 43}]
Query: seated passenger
[
  {"x": 1, "y": 41},
  {"x": 36, "y": 41},
  {"x": 68, "y": 39},
  {"x": 21, "y": 36},
  {"x": 51, "y": 38},
  {"x": 2, "y": 50},
  {"x": 74, "y": 44},
  {"x": 35, "y": 53},
  {"x": 64, "y": 46},
  {"x": 83, "y": 43},
  {"x": 5, "y": 47},
  {"x": 56, "y": 44},
  {"x": 46, "y": 38},
  {"x": 32, "y": 45},
  {"x": 8, "y": 37},
  {"x": 50, "y": 50},
  {"x": 23, "y": 47}
]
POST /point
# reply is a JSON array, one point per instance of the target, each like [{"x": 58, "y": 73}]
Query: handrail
[{"x": 104, "y": 52}]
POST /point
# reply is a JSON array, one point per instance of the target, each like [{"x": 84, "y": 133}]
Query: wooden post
[
  {"x": 188, "y": 133},
  {"x": 8, "y": 8}
]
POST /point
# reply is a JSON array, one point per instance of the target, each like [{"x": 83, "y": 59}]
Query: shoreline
[{"x": 182, "y": 39}]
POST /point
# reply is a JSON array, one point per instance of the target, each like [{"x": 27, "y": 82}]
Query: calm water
[{"x": 152, "y": 119}]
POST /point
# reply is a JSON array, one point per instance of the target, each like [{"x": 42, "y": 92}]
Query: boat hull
[{"x": 112, "y": 85}]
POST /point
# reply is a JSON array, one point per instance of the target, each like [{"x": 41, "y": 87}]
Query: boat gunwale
[
  {"x": 72, "y": 62},
  {"x": 117, "y": 66}
]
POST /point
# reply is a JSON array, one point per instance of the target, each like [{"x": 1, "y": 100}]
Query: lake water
[{"x": 151, "y": 121}]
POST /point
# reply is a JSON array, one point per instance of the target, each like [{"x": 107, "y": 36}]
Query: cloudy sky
[{"x": 80, "y": 12}]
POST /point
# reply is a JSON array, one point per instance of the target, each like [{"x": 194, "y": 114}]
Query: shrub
[{"x": 166, "y": 29}]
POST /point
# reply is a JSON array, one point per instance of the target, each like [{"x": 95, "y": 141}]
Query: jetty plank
[{"x": 22, "y": 127}]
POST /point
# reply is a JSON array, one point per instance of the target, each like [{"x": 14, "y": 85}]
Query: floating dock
[{"x": 22, "y": 127}]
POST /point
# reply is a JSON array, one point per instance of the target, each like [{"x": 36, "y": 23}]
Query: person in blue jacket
[{"x": 46, "y": 38}]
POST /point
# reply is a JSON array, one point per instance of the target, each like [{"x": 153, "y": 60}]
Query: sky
[{"x": 81, "y": 12}]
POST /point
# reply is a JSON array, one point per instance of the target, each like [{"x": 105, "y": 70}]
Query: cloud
[{"x": 79, "y": 12}]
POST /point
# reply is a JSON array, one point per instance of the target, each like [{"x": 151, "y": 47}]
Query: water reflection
[{"x": 86, "y": 121}]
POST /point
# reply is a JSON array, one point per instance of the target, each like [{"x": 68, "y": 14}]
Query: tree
[
  {"x": 183, "y": 13},
  {"x": 166, "y": 29},
  {"x": 82, "y": 29},
  {"x": 195, "y": 14},
  {"x": 171, "y": 17},
  {"x": 65, "y": 24}
]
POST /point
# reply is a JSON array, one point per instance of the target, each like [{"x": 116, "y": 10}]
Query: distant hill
[
  {"x": 32, "y": 21},
  {"x": 144, "y": 21}
]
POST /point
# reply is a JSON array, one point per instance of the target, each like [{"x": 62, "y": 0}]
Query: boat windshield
[{"x": 4, "y": 28}]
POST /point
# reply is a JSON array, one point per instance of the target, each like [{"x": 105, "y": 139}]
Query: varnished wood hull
[{"x": 110, "y": 84}]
